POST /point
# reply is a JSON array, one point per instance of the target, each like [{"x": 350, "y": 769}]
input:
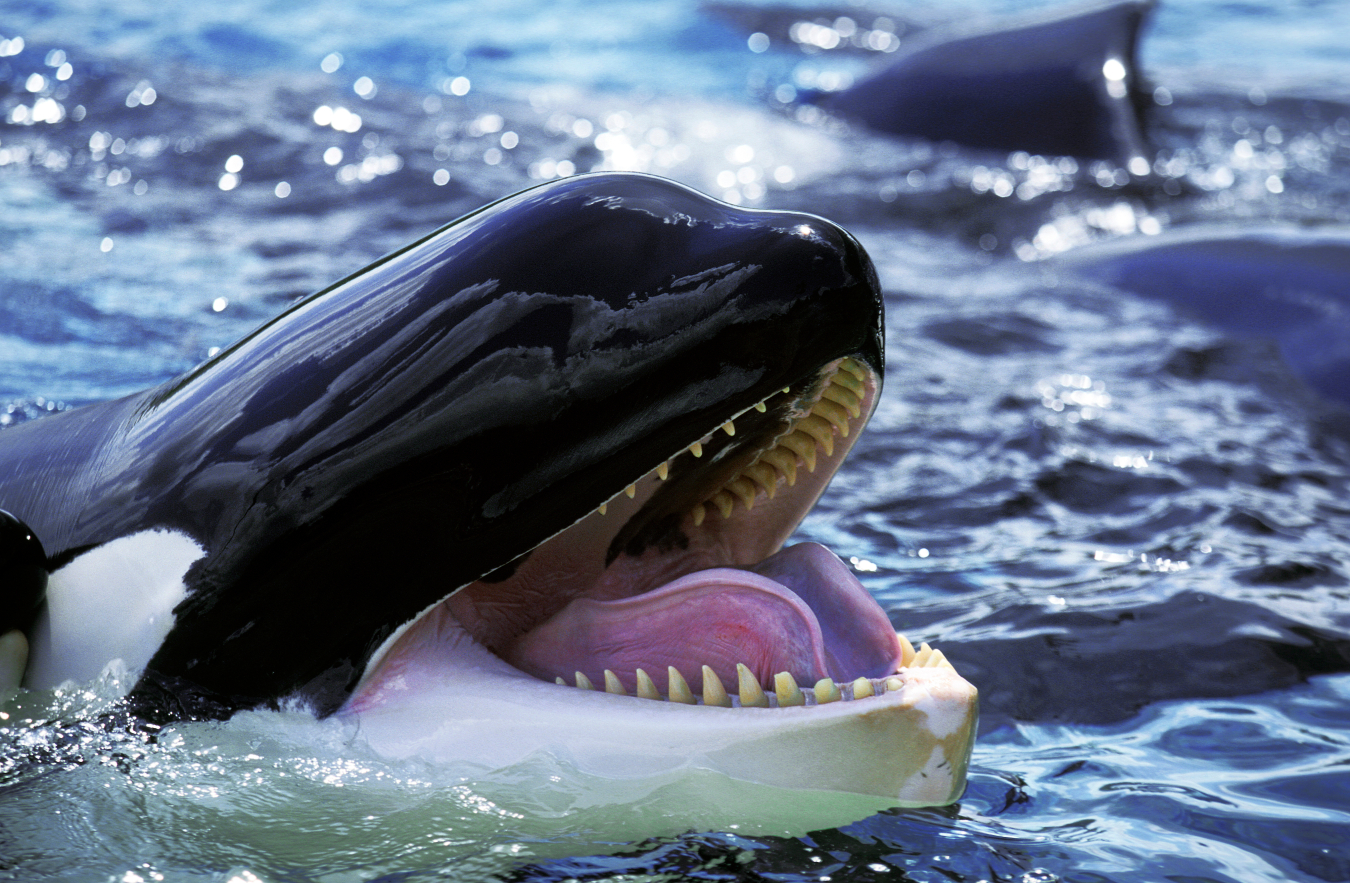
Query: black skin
[
  {"x": 23, "y": 575},
  {"x": 433, "y": 417}
]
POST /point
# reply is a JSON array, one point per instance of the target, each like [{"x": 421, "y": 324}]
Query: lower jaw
[{"x": 457, "y": 703}]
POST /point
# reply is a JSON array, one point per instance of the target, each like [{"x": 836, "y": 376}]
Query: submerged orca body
[
  {"x": 558, "y": 443},
  {"x": 1287, "y": 285},
  {"x": 1060, "y": 85}
]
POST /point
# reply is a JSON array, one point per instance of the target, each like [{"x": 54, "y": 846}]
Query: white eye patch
[{"x": 115, "y": 601}]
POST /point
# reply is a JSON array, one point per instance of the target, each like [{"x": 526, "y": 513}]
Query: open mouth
[
  {"x": 678, "y": 589},
  {"x": 558, "y": 443}
]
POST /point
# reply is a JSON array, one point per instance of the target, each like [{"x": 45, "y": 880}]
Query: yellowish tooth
[
  {"x": 820, "y": 429},
  {"x": 906, "y": 651},
  {"x": 845, "y": 389},
  {"x": 827, "y": 690},
  {"x": 921, "y": 658},
  {"x": 939, "y": 660},
  {"x": 851, "y": 384},
  {"x": 713, "y": 691},
  {"x": 834, "y": 413},
  {"x": 803, "y": 446},
  {"x": 699, "y": 512},
  {"x": 646, "y": 689},
  {"x": 583, "y": 682},
  {"x": 631, "y": 491},
  {"x": 724, "y": 501},
  {"x": 845, "y": 397},
  {"x": 894, "y": 682},
  {"x": 602, "y": 508},
  {"x": 752, "y": 694},
  {"x": 745, "y": 489},
  {"x": 787, "y": 389},
  {"x": 854, "y": 367},
  {"x": 663, "y": 471},
  {"x": 559, "y": 681},
  {"x": 729, "y": 428},
  {"x": 761, "y": 407},
  {"x": 679, "y": 687},
  {"x": 765, "y": 476},
  {"x": 613, "y": 684},
  {"x": 785, "y": 685},
  {"x": 784, "y": 462},
  {"x": 862, "y": 688},
  {"x": 696, "y": 449}
]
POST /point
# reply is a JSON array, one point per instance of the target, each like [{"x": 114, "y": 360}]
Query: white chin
[{"x": 461, "y": 704}]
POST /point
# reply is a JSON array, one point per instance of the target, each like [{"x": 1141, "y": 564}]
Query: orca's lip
[
  {"x": 661, "y": 591},
  {"x": 909, "y": 743}
]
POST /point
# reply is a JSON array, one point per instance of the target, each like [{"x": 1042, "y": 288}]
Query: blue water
[{"x": 1128, "y": 529}]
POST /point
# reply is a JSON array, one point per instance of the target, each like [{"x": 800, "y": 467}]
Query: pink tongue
[{"x": 721, "y": 617}]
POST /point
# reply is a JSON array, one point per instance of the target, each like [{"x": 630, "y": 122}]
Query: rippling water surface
[{"x": 1129, "y": 529}]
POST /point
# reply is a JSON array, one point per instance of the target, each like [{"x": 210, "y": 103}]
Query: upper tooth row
[
  {"x": 840, "y": 401},
  {"x": 749, "y": 693}
]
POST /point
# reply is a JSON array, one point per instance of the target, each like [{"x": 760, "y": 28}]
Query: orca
[
  {"x": 522, "y": 485},
  {"x": 1064, "y": 83},
  {"x": 1283, "y": 284}
]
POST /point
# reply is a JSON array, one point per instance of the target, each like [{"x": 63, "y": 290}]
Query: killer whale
[
  {"x": 1284, "y": 284},
  {"x": 597, "y": 407},
  {"x": 1063, "y": 83}
]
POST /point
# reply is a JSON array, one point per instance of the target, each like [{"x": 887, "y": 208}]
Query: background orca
[
  {"x": 1063, "y": 84},
  {"x": 1287, "y": 285}
]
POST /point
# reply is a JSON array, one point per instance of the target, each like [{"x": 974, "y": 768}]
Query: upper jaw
[{"x": 728, "y": 501}]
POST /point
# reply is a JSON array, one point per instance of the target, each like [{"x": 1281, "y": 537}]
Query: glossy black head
[{"x": 431, "y": 419}]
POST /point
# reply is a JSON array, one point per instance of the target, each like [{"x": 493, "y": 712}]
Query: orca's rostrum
[{"x": 558, "y": 443}]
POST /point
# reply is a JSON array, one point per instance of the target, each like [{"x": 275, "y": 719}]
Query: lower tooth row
[{"x": 749, "y": 693}]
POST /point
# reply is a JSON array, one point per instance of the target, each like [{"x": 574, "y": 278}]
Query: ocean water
[{"x": 1127, "y": 527}]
